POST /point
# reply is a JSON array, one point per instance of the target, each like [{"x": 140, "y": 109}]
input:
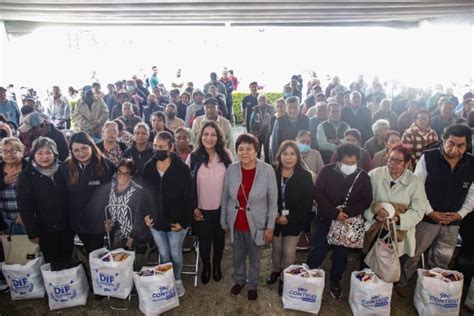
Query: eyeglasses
[
  {"x": 81, "y": 149},
  {"x": 395, "y": 161},
  {"x": 12, "y": 151}
]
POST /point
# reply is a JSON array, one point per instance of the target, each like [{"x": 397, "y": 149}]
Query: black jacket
[
  {"x": 331, "y": 190},
  {"x": 298, "y": 200},
  {"x": 172, "y": 194},
  {"x": 60, "y": 141},
  {"x": 140, "y": 158},
  {"x": 42, "y": 202},
  {"x": 85, "y": 210},
  {"x": 445, "y": 188}
]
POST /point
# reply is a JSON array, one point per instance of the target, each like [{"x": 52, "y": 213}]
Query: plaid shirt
[
  {"x": 8, "y": 201},
  {"x": 417, "y": 140}
]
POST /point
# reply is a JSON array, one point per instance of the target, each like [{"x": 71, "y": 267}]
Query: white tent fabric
[{"x": 23, "y": 16}]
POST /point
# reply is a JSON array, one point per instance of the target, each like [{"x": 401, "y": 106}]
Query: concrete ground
[{"x": 215, "y": 298}]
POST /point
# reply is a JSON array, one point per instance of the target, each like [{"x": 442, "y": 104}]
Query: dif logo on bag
[
  {"x": 164, "y": 293},
  {"x": 107, "y": 282},
  {"x": 302, "y": 294},
  {"x": 21, "y": 285},
  {"x": 63, "y": 293},
  {"x": 444, "y": 300},
  {"x": 376, "y": 301}
]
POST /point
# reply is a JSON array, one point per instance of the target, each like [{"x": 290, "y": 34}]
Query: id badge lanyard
[{"x": 284, "y": 211}]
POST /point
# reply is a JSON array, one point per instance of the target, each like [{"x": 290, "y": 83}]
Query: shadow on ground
[{"x": 215, "y": 299}]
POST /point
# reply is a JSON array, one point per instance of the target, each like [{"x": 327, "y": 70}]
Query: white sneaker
[{"x": 180, "y": 288}]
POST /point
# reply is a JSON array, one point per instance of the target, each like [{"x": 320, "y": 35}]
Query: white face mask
[{"x": 348, "y": 169}]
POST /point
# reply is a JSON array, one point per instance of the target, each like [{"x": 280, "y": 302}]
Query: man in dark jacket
[
  {"x": 358, "y": 116},
  {"x": 342, "y": 191},
  {"x": 39, "y": 125},
  {"x": 448, "y": 173},
  {"x": 288, "y": 126}
]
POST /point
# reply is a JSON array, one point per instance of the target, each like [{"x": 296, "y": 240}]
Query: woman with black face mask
[{"x": 169, "y": 183}]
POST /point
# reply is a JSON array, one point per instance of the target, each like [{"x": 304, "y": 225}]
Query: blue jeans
[{"x": 170, "y": 245}]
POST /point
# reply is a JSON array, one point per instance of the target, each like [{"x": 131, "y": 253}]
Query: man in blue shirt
[{"x": 8, "y": 108}]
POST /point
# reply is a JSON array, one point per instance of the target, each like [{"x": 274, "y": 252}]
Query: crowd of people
[{"x": 144, "y": 165}]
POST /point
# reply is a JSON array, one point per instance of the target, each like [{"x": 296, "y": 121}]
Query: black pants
[
  {"x": 92, "y": 242},
  {"x": 56, "y": 245},
  {"x": 210, "y": 233},
  {"x": 320, "y": 250},
  {"x": 264, "y": 140}
]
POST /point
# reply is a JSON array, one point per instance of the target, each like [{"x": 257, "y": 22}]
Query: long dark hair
[
  {"x": 300, "y": 165},
  {"x": 200, "y": 150},
  {"x": 73, "y": 163}
]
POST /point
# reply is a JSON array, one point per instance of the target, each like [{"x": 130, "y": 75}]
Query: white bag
[
  {"x": 371, "y": 297},
  {"x": 434, "y": 296},
  {"x": 469, "y": 302},
  {"x": 156, "y": 293},
  {"x": 112, "y": 278},
  {"x": 25, "y": 281},
  {"x": 65, "y": 288},
  {"x": 303, "y": 293}
]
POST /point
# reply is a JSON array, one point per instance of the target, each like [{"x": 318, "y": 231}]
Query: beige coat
[
  {"x": 86, "y": 118},
  {"x": 409, "y": 191}
]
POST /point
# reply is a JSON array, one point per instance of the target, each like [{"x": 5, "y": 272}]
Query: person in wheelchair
[{"x": 124, "y": 212}]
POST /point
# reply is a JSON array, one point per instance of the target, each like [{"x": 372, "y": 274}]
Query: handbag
[
  {"x": 19, "y": 249},
  {"x": 383, "y": 256},
  {"x": 348, "y": 233}
]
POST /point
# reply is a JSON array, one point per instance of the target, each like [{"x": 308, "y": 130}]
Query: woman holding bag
[
  {"x": 295, "y": 202},
  {"x": 208, "y": 165},
  {"x": 343, "y": 192},
  {"x": 249, "y": 209},
  {"x": 405, "y": 195}
]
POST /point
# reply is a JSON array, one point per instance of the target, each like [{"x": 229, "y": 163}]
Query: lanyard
[{"x": 283, "y": 190}]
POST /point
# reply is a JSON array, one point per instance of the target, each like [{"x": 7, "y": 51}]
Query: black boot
[
  {"x": 216, "y": 273},
  {"x": 206, "y": 273},
  {"x": 280, "y": 287}
]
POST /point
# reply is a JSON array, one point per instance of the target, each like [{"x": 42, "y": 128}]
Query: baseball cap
[
  {"x": 211, "y": 100},
  {"x": 31, "y": 120}
]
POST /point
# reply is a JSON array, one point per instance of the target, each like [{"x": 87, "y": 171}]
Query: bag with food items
[
  {"x": 156, "y": 289},
  {"x": 369, "y": 295},
  {"x": 24, "y": 280},
  {"x": 303, "y": 288},
  {"x": 438, "y": 292},
  {"x": 65, "y": 288},
  {"x": 112, "y": 272}
]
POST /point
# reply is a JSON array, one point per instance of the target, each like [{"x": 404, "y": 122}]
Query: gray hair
[
  {"x": 378, "y": 125},
  {"x": 142, "y": 125},
  {"x": 41, "y": 142}
]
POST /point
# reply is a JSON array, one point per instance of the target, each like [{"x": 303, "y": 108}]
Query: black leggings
[
  {"x": 56, "y": 245},
  {"x": 210, "y": 233}
]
